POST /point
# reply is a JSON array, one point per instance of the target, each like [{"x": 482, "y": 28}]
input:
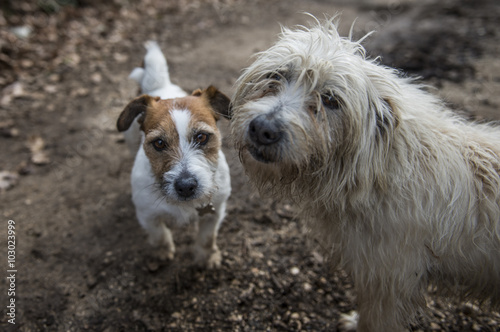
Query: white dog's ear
[
  {"x": 218, "y": 101},
  {"x": 387, "y": 118},
  {"x": 136, "y": 107}
]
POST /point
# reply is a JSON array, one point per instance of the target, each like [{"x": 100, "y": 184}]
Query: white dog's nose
[{"x": 264, "y": 131}]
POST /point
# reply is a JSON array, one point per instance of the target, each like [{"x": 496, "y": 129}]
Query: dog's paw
[
  {"x": 165, "y": 254},
  {"x": 210, "y": 259},
  {"x": 348, "y": 322},
  {"x": 214, "y": 260},
  {"x": 163, "y": 243}
]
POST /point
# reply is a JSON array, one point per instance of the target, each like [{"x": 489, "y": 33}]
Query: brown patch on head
[
  {"x": 158, "y": 123},
  {"x": 158, "y": 117},
  {"x": 203, "y": 120}
]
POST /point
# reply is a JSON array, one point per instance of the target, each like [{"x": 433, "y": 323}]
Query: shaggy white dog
[{"x": 399, "y": 190}]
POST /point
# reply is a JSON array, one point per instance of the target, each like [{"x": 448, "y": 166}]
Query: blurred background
[{"x": 83, "y": 262}]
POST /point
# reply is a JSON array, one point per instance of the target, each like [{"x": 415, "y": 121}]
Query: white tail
[{"x": 154, "y": 78}]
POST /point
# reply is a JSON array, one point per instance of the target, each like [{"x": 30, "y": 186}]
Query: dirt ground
[{"x": 82, "y": 260}]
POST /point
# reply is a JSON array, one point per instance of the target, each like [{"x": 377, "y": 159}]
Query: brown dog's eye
[
  {"x": 201, "y": 138},
  {"x": 159, "y": 144},
  {"x": 330, "y": 101}
]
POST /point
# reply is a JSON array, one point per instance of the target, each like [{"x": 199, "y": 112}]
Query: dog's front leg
[
  {"x": 160, "y": 237},
  {"x": 370, "y": 317},
  {"x": 383, "y": 306},
  {"x": 205, "y": 249}
]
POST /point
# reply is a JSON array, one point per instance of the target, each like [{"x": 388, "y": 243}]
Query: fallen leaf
[
  {"x": 80, "y": 92},
  {"x": 10, "y": 92},
  {"x": 96, "y": 77},
  {"x": 38, "y": 154},
  {"x": 50, "y": 88},
  {"x": 120, "y": 57},
  {"x": 26, "y": 63},
  {"x": 7, "y": 124},
  {"x": 40, "y": 158},
  {"x": 22, "y": 32},
  {"x": 8, "y": 180}
]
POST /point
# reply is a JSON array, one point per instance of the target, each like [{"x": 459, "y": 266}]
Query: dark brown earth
[{"x": 82, "y": 260}]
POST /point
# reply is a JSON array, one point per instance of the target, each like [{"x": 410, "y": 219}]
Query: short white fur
[{"x": 157, "y": 207}]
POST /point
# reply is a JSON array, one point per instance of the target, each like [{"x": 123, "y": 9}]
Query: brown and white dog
[
  {"x": 399, "y": 190},
  {"x": 180, "y": 172}
]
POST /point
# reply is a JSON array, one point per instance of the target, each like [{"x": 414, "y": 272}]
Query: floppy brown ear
[
  {"x": 217, "y": 100},
  {"x": 197, "y": 93},
  {"x": 137, "y": 106}
]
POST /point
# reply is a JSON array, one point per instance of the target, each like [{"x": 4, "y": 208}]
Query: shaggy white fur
[{"x": 399, "y": 190}]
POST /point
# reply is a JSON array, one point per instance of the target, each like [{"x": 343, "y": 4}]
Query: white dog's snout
[{"x": 265, "y": 130}]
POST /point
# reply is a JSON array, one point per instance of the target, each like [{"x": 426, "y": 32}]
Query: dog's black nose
[
  {"x": 264, "y": 131},
  {"x": 186, "y": 186}
]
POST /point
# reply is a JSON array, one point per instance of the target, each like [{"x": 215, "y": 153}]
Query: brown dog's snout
[
  {"x": 185, "y": 186},
  {"x": 265, "y": 131}
]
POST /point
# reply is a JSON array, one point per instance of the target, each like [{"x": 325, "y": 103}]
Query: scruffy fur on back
[{"x": 399, "y": 190}]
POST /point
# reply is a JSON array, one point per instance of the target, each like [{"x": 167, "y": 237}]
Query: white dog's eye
[
  {"x": 159, "y": 144},
  {"x": 330, "y": 101},
  {"x": 201, "y": 138},
  {"x": 274, "y": 76}
]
